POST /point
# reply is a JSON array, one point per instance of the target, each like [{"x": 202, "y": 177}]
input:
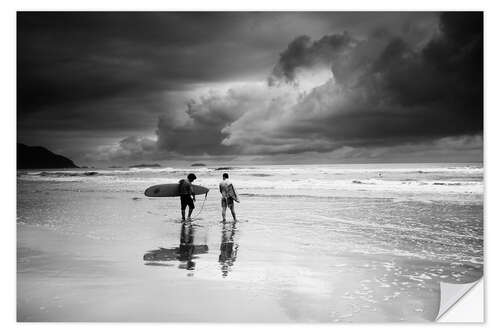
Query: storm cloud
[
  {"x": 171, "y": 85},
  {"x": 303, "y": 52},
  {"x": 382, "y": 92}
]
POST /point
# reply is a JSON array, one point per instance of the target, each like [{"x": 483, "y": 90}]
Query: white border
[
  {"x": 8, "y": 123},
  {"x": 254, "y": 5}
]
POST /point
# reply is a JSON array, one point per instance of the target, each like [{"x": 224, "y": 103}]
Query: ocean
[{"x": 314, "y": 243}]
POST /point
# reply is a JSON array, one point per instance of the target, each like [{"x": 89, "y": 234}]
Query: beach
[{"x": 314, "y": 243}]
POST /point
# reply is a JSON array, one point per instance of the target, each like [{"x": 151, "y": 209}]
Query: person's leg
[
  {"x": 183, "y": 208},
  {"x": 223, "y": 214},
  {"x": 233, "y": 213},
  {"x": 231, "y": 207},
  {"x": 191, "y": 208},
  {"x": 224, "y": 207}
]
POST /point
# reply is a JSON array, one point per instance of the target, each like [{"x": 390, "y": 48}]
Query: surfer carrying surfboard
[
  {"x": 187, "y": 195},
  {"x": 229, "y": 196}
]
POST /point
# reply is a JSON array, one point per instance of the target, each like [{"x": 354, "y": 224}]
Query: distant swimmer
[
  {"x": 187, "y": 195},
  {"x": 228, "y": 196}
]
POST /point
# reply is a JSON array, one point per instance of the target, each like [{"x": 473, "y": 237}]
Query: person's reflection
[
  {"x": 228, "y": 249},
  {"x": 185, "y": 253},
  {"x": 186, "y": 247}
]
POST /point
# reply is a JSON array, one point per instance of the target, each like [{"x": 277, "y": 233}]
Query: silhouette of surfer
[
  {"x": 187, "y": 195},
  {"x": 185, "y": 253},
  {"x": 186, "y": 247},
  {"x": 229, "y": 196},
  {"x": 228, "y": 249}
]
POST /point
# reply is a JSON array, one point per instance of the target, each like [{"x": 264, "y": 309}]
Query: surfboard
[
  {"x": 171, "y": 190},
  {"x": 232, "y": 193}
]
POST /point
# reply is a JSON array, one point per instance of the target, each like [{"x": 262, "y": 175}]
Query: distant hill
[
  {"x": 156, "y": 165},
  {"x": 198, "y": 164},
  {"x": 40, "y": 158}
]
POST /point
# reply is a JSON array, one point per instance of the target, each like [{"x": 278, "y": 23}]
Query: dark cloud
[
  {"x": 401, "y": 94},
  {"x": 66, "y": 57},
  {"x": 303, "y": 52},
  {"x": 88, "y": 72},
  {"x": 201, "y": 132},
  {"x": 337, "y": 80},
  {"x": 454, "y": 149},
  {"x": 131, "y": 148},
  {"x": 75, "y": 57}
]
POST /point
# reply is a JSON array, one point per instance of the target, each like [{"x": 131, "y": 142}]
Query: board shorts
[
  {"x": 186, "y": 200},
  {"x": 225, "y": 202}
]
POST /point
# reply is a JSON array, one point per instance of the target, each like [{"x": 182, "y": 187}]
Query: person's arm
[{"x": 192, "y": 191}]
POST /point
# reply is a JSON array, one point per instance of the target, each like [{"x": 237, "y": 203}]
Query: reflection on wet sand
[
  {"x": 185, "y": 252},
  {"x": 228, "y": 249}
]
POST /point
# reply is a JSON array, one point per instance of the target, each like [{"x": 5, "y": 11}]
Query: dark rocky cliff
[{"x": 40, "y": 158}]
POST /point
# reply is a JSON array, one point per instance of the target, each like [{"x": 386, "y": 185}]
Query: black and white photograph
[{"x": 247, "y": 166}]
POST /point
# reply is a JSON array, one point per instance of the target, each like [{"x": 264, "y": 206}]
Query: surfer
[
  {"x": 228, "y": 196},
  {"x": 187, "y": 195}
]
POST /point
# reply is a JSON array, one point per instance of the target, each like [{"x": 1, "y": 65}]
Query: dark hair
[
  {"x": 225, "y": 175},
  {"x": 191, "y": 177}
]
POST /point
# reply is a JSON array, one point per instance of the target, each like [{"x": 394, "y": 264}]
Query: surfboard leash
[{"x": 202, "y": 205}]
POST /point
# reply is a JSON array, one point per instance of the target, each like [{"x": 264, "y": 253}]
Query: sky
[{"x": 121, "y": 88}]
